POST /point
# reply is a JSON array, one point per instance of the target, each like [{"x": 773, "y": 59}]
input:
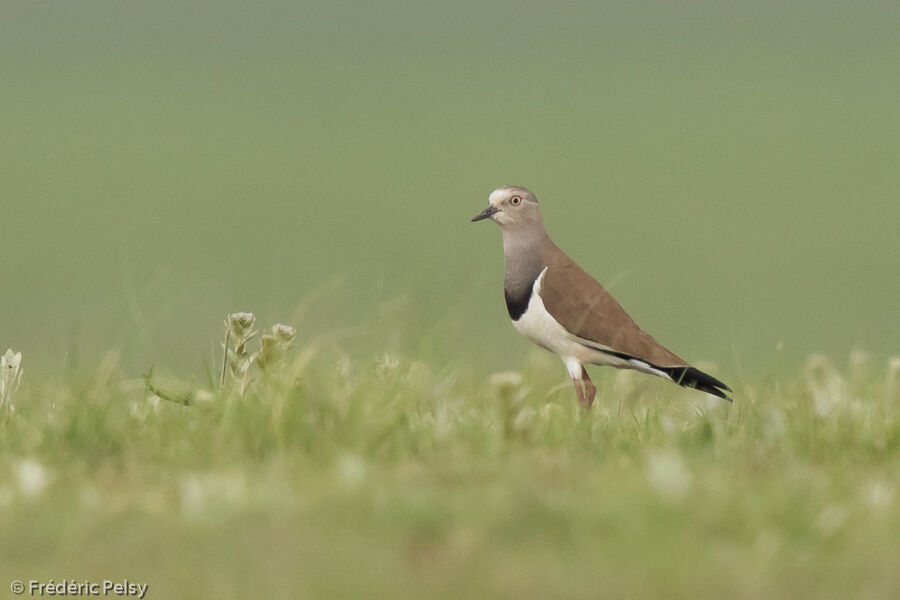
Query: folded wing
[{"x": 585, "y": 309}]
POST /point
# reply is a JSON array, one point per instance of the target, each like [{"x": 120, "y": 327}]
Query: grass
[{"x": 385, "y": 476}]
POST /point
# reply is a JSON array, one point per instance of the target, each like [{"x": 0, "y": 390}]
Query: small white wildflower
[
  {"x": 508, "y": 385},
  {"x": 668, "y": 424},
  {"x": 445, "y": 422},
  {"x": 154, "y": 402},
  {"x": 825, "y": 384},
  {"x": 878, "y": 495},
  {"x": 240, "y": 322},
  {"x": 33, "y": 478},
  {"x": 387, "y": 361},
  {"x": 201, "y": 491},
  {"x": 204, "y": 398},
  {"x": 273, "y": 347},
  {"x": 505, "y": 379},
  {"x": 386, "y": 364},
  {"x": 193, "y": 500},
  {"x": 668, "y": 475},
  {"x": 137, "y": 410},
  {"x": 284, "y": 333},
  {"x": 350, "y": 471}
]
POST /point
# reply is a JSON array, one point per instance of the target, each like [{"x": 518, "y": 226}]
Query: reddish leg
[
  {"x": 590, "y": 390},
  {"x": 580, "y": 393}
]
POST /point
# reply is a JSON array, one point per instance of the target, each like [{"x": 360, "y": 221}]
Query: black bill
[{"x": 487, "y": 213}]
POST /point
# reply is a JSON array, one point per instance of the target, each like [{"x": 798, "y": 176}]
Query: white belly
[{"x": 540, "y": 327}]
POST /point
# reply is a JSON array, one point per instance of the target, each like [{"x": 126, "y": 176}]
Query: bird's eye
[{"x": 515, "y": 200}]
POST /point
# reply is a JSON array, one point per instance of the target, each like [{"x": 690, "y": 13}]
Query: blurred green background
[{"x": 728, "y": 169}]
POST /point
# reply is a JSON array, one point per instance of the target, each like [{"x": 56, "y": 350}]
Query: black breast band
[{"x": 517, "y": 302}]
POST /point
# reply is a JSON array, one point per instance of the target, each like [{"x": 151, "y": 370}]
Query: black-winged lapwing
[{"x": 558, "y": 306}]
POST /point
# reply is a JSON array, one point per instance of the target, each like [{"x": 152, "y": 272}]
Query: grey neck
[{"x": 525, "y": 251}]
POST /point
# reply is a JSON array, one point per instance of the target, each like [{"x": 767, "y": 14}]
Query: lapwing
[{"x": 554, "y": 303}]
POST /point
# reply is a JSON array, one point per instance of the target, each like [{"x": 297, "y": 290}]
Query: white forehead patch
[{"x": 497, "y": 195}]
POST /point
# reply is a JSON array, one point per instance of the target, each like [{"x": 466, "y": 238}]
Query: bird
[{"x": 557, "y": 305}]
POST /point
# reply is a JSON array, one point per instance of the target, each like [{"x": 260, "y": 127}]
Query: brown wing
[{"x": 581, "y": 305}]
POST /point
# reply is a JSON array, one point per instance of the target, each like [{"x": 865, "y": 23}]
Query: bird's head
[{"x": 511, "y": 207}]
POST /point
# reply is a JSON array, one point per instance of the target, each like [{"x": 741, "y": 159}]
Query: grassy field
[
  {"x": 393, "y": 477},
  {"x": 727, "y": 169}
]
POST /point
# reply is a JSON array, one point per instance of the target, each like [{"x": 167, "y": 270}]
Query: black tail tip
[{"x": 695, "y": 378}]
